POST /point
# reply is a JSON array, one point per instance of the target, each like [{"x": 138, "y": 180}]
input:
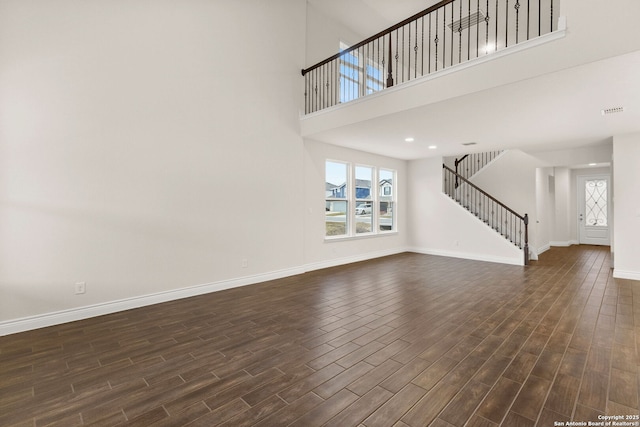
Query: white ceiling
[
  {"x": 368, "y": 17},
  {"x": 554, "y": 111}
]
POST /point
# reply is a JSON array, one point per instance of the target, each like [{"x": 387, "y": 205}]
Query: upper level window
[
  {"x": 356, "y": 67},
  {"x": 355, "y": 204}
]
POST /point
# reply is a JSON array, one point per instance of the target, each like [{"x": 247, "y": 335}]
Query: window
[
  {"x": 596, "y": 202},
  {"x": 336, "y": 198},
  {"x": 354, "y": 207},
  {"x": 349, "y": 76},
  {"x": 386, "y": 200},
  {"x": 363, "y": 211},
  {"x": 355, "y": 68}
]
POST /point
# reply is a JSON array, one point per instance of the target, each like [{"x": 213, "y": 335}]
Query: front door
[{"x": 594, "y": 210}]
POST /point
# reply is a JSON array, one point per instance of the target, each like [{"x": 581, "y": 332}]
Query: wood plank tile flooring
[{"x": 407, "y": 340}]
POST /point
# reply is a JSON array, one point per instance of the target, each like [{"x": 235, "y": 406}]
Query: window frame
[{"x": 352, "y": 200}]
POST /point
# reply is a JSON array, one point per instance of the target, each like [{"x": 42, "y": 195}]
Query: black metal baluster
[
  {"x": 398, "y": 72},
  {"x": 539, "y": 18},
  {"x": 429, "y": 52},
  {"x": 452, "y": 14},
  {"x": 325, "y": 87},
  {"x": 469, "y": 32},
  {"x": 444, "y": 37},
  {"x": 378, "y": 59},
  {"x": 506, "y": 26},
  {"x": 460, "y": 36},
  {"x": 317, "y": 97},
  {"x": 402, "y": 62},
  {"x": 389, "y": 65},
  {"x": 323, "y": 91},
  {"x": 517, "y": 7},
  {"x": 306, "y": 94},
  {"x": 478, "y": 29},
  {"x": 363, "y": 74},
  {"x": 496, "y": 18},
  {"x": 415, "y": 50},
  {"x": 336, "y": 83},
  {"x": 551, "y": 26},
  {"x": 528, "y": 17},
  {"x": 422, "y": 50},
  {"x": 435, "y": 41},
  {"x": 486, "y": 20},
  {"x": 353, "y": 83}
]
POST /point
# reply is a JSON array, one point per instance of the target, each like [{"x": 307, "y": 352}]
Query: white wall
[
  {"x": 440, "y": 226},
  {"x": 511, "y": 178},
  {"x": 545, "y": 208},
  {"x": 600, "y": 153},
  {"x": 626, "y": 152},
  {"x": 320, "y": 253},
  {"x": 324, "y": 35},
  {"x": 562, "y": 235},
  {"x": 146, "y": 147}
]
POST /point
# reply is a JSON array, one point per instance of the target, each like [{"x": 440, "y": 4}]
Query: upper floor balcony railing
[{"x": 448, "y": 33}]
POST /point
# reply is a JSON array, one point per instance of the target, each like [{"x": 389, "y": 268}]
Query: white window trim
[{"x": 374, "y": 199}]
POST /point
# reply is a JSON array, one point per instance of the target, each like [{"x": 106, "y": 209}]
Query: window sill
[{"x": 333, "y": 239}]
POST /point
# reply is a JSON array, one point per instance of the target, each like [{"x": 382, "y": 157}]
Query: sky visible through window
[{"x": 335, "y": 173}]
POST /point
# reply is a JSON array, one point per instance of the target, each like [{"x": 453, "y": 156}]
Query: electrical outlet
[
  {"x": 245, "y": 263},
  {"x": 81, "y": 288}
]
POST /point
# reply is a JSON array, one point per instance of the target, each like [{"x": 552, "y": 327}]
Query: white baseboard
[
  {"x": 71, "y": 315},
  {"x": 623, "y": 274},
  {"x": 476, "y": 257},
  {"x": 565, "y": 243},
  {"x": 351, "y": 259},
  {"x": 74, "y": 314},
  {"x": 544, "y": 249}
]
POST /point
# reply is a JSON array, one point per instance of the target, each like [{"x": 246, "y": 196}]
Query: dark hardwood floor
[{"x": 407, "y": 340}]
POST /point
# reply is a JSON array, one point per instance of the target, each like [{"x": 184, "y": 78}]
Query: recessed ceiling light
[
  {"x": 409, "y": 139},
  {"x": 433, "y": 147},
  {"x": 592, "y": 164}
]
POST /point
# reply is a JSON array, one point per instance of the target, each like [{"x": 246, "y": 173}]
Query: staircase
[{"x": 495, "y": 214}]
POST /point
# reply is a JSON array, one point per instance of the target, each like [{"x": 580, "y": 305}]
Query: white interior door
[{"x": 594, "y": 210}]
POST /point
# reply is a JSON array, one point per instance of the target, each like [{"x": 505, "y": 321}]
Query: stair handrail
[
  {"x": 524, "y": 218},
  {"x": 466, "y": 181},
  {"x": 378, "y": 35}
]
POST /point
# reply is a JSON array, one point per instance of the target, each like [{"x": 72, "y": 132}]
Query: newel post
[{"x": 526, "y": 239}]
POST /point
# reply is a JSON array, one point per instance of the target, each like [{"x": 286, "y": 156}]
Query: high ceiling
[
  {"x": 367, "y": 17},
  {"x": 553, "y": 111}
]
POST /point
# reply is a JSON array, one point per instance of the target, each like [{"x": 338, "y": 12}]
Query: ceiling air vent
[
  {"x": 467, "y": 21},
  {"x": 613, "y": 110}
]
